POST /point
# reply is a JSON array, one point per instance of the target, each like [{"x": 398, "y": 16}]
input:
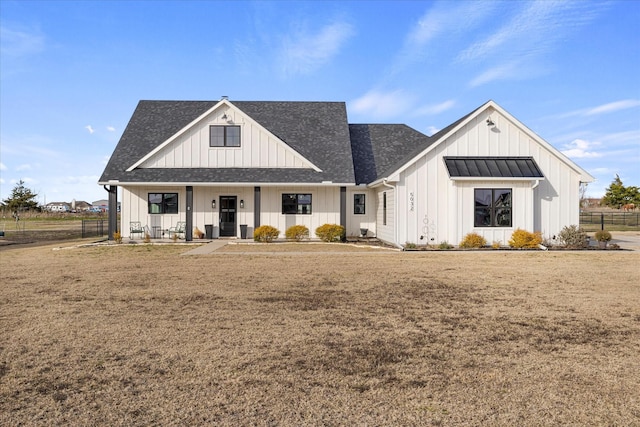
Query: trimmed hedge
[
  {"x": 297, "y": 233},
  {"x": 265, "y": 234},
  {"x": 330, "y": 232}
]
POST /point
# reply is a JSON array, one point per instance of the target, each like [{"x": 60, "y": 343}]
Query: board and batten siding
[
  {"x": 258, "y": 148},
  {"x": 436, "y": 208},
  {"x": 356, "y": 221},
  {"x": 385, "y": 232}
]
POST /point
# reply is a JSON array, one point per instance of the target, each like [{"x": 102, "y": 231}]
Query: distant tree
[
  {"x": 618, "y": 195},
  {"x": 22, "y": 198}
]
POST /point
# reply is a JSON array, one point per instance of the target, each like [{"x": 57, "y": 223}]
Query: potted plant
[{"x": 603, "y": 237}]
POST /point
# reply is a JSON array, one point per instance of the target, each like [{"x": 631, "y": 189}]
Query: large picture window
[
  {"x": 493, "y": 207},
  {"x": 296, "y": 204},
  {"x": 358, "y": 204},
  {"x": 163, "y": 203},
  {"x": 224, "y": 136}
]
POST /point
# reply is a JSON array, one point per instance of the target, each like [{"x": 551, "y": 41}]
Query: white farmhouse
[{"x": 233, "y": 166}]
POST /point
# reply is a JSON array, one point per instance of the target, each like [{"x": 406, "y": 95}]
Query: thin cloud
[
  {"x": 19, "y": 42},
  {"x": 613, "y": 107},
  {"x": 90, "y": 129},
  {"x": 3, "y": 167},
  {"x": 303, "y": 52},
  {"x": 380, "y": 104},
  {"x": 519, "y": 46},
  {"x": 441, "y": 20},
  {"x": 609, "y": 107},
  {"x": 430, "y": 110},
  {"x": 111, "y": 129},
  {"x": 581, "y": 149},
  {"x": 24, "y": 167}
]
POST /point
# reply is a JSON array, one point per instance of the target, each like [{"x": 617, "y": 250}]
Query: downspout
[{"x": 395, "y": 210}]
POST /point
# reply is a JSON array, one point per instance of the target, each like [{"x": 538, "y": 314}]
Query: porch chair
[
  {"x": 135, "y": 227},
  {"x": 178, "y": 230}
]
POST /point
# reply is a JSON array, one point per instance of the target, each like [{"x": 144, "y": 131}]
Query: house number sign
[{"x": 411, "y": 201}]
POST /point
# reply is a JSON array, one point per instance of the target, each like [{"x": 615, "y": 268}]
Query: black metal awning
[{"x": 493, "y": 167}]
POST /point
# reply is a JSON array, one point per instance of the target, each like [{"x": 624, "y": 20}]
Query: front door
[{"x": 228, "y": 216}]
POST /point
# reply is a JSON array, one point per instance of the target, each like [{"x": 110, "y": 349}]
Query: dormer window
[{"x": 224, "y": 136}]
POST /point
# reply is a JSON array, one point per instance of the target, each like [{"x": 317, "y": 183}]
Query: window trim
[
  {"x": 363, "y": 204},
  {"x": 493, "y": 209},
  {"x": 225, "y": 137},
  {"x": 297, "y": 204},
  {"x": 164, "y": 205}
]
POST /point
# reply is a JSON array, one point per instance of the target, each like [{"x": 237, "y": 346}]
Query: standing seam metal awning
[{"x": 493, "y": 167}]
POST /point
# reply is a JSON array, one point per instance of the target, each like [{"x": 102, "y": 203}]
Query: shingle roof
[
  {"x": 492, "y": 167},
  {"x": 380, "y": 149},
  {"x": 317, "y": 130}
]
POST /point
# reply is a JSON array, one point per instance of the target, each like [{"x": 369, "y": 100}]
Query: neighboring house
[
  {"x": 58, "y": 207},
  {"x": 80, "y": 206},
  {"x": 227, "y": 164}
]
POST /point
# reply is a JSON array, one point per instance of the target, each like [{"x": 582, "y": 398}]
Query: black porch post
[
  {"x": 256, "y": 207},
  {"x": 113, "y": 210},
  {"x": 188, "y": 232},
  {"x": 343, "y": 208}
]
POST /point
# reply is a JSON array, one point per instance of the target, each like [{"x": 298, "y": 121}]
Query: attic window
[{"x": 224, "y": 136}]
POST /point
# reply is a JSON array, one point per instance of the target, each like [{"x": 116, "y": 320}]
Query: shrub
[
  {"x": 573, "y": 236},
  {"x": 473, "y": 240},
  {"x": 198, "y": 234},
  {"x": 147, "y": 238},
  {"x": 410, "y": 245},
  {"x": 525, "y": 239},
  {"x": 445, "y": 245},
  {"x": 496, "y": 244},
  {"x": 265, "y": 234},
  {"x": 330, "y": 232},
  {"x": 602, "y": 236},
  {"x": 117, "y": 237},
  {"x": 297, "y": 233}
]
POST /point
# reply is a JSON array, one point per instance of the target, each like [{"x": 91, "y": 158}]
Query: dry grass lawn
[{"x": 140, "y": 335}]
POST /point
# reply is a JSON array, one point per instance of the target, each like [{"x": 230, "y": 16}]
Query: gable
[
  {"x": 191, "y": 148},
  {"x": 167, "y": 141},
  {"x": 490, "y": 131}
]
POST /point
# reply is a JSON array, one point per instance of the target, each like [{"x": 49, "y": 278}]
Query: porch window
[
  {"x": 358, "y": 204},
  {"x": 163, "y": 203},
  {"x": 224, "y": 136},
  {"x": 493, "y": 207},
  {"x": 296, "y": 204}
]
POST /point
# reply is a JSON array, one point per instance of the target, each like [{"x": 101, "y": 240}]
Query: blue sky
[{"x": 72, "y": 72}]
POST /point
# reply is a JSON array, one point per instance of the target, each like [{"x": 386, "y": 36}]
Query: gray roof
[
  {"x": 317, "y": 130},
  {"x": 492, "y": 167},
  {"x": 379, "y": 150}
]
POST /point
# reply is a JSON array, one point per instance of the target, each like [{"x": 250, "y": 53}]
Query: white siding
[
  {"x": 357, "y": 221},
  {"x": 386, "y": 232},
  {"x": 443, "y": 209},
  {"x": 258, "y": 148},
  {"x": 325, "y": 207}
]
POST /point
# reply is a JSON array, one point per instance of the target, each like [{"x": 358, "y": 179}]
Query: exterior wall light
[
  {"x": 213, "y": 204},
  {"x": 241, "y": 204}
]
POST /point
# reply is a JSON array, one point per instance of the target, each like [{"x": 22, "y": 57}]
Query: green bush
[
  {"x": 297, "y": 233},
  {"x": 525, "y": 239},
  {"x": 473, "y": 240},
  {"x": 572, "y": 236},
  {"x": 265, "y": 234},
  {"x": 330, "y": 232},
  {"x": 445, "y": 245}
]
